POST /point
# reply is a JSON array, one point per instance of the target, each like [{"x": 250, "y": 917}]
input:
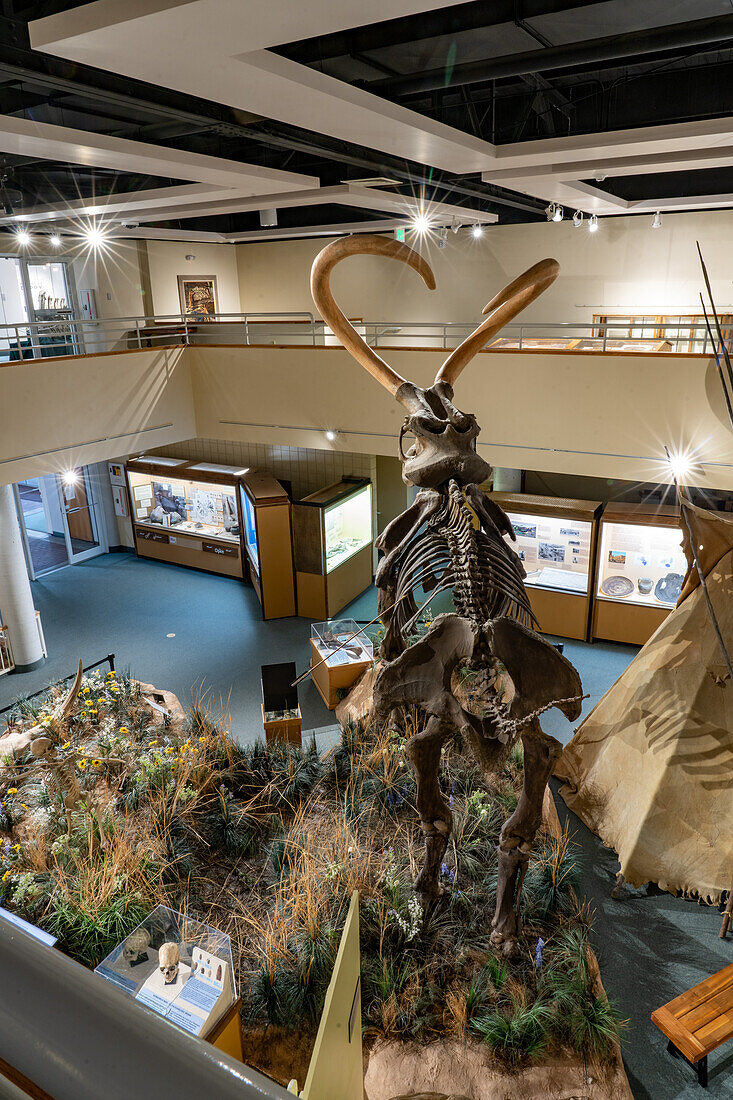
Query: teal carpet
[{"x": 651, "y": 946}]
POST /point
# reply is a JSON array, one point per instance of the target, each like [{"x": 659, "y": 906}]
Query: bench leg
[
  {"x": 702, "y": 1072},
  {"x": 672, "y": 1049}
]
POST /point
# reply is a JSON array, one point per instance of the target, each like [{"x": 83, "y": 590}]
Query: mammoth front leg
[
  {"x": 436, "y": 820},
  {"x": 518, "y": 834}
]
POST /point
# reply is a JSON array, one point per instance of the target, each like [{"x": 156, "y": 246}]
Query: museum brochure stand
[
  {"x": 639, "y": 572},
  {"x": 332, "y": 534},
  {"x": 281, "y": 717},
  {"x": 556, "y": 540},
  {"x": 340, "y": 652},
  {"x": 183, "y": 970},
  {"x": 186, "y": 513},
  {"x": 268, "y": 543}
]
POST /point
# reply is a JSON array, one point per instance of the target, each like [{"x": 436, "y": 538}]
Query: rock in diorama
[{"x": 451, "y": 538}]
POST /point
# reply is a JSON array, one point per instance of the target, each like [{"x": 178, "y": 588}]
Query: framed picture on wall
[{"x": 199, "y": 301}]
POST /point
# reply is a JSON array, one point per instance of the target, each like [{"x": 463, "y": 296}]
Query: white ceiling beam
[{"x": 334, "y": 230}]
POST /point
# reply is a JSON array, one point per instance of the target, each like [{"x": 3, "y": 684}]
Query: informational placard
[
  {"x": 555, "y": 551},
  {"x": 641, "y": 564}
]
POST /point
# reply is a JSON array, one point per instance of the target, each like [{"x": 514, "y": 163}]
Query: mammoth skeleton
[{"x": 452, "y": 538}]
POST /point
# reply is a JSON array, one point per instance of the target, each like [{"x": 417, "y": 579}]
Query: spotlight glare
[
  {"x": 558, "y": 215},
  {"x": 95, "y": 236},
  {"x": 330, "y": 435},
  {"x": 680, "y": 465},
  {"x": 55, "y": 241},
  {"x": 593, "y": 223},
  {"x": 70, "y": 477},
  {"x": 421, "y": 223},
  {"x": 23, "y": 237},
  {"x": 477, "y": 231}
]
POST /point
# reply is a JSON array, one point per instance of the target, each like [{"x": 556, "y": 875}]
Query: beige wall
[
  {"x": 167, "y": 260},
  {"x": 625, "y": 267},
  {"x": 61, "y": 413}
]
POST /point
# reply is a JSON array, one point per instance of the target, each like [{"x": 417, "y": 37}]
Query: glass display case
[
  {"x": 178, "y": 967},
  {"x": 333, "y": 543},
  {"x": 348, "y": 527},
  {"x": 556, "y": 541},
  {"x": 639, "y": 573},
  {"x": 268, "y": 542},
  {"x": 341, "y": 642},
  {"x": 555, "y": 551},
  {"x": 250, "y": 530},
  {"x": 640, "y": 564},
  {"x": 340, "y": 652},
  {"x": 199, "y": 508}
]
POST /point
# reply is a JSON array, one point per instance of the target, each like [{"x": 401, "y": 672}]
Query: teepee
[{"x": 650, "y": 769}]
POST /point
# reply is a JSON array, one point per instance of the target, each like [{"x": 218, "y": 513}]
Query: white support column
[
  {"x": 16, "y": 601},
  {"x": 507, "y": 480}
]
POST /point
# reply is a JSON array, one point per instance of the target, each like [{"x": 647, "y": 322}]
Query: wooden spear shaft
[{"x": 727, "y": 914}]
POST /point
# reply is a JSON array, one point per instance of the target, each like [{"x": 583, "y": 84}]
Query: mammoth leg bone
[
  {"x": 519, "y": 831},
  {"x": 436, "y": 821}
]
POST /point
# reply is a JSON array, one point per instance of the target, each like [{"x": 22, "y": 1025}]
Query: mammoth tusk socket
[
  {"x": 502, "y": 309},
  {"x": 324, "y": 264}
]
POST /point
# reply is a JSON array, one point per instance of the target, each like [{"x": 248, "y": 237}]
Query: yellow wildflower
[
  {"x": 81, "y": 764},
  {"x": 153, "y": 743},
  {"x": 66, "y": 745},
  {"x": 124, "y": 729},
  {"x": 96, "y": 763},
  {"x": 202, "y": 740},
  {"x": 6, "y": 876},
  {"x": 12, "y": 790},
  {"x": 24, "y": 805},
  {"x": 16, "y": 847},
  {"x": 86, "y": 690},
  {"x": 170, "y": 750}
]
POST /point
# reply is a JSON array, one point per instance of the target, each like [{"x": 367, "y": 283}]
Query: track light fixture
[
  {"x": 592, "y": 223},
  {"x": 23, "y": 238},
  {"x": 578, "y": 218},
  {"x": 420, "y": 223},
  {"x": 558, "y": 215},
  {"x": 54, "y": 240},
  {"x": 657, "y": 221},
  {"x": 554, "y": 212},
  {"x": 477, "y": 231}
]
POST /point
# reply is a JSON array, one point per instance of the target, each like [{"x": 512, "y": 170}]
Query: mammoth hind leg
[
  {"x": 436, "y": 820},
  {"x": 518, "y": 834}
]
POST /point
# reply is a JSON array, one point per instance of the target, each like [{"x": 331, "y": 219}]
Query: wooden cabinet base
[
  {"x": 564, "y": 614},
  {"x": 331, "y": 682},
  {"x": 226, "y": 1036},
  {"x": 183, "y": 550},
  {"x": 630, "y": 623},
  {"x": 284, "y": 729}
]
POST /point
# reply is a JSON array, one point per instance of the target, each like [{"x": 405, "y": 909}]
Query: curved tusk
[
  {"x": 502, "y": 309},
  {"x": 324, "y": 264}
]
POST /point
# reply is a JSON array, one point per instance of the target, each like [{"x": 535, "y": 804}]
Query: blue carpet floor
[{"x": 651, "y": 946}]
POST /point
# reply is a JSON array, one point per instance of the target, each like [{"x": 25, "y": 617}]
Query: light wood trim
[
  {"x": 348, "y": 581},
  {"x": 437, "y": 351},
  {"x": 275, "y": 551},
  {"x": 630, "y": 623}
]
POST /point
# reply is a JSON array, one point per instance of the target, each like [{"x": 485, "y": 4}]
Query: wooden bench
[{"x": 699, "y": 1020}]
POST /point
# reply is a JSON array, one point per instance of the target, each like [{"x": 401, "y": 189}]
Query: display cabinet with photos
[
  {"x": 186, "y": 513},
  {"x": 340, "y": 652},
  {"x": 640, "y": 571},
  {"x": 181, "y": 969},
  {"x": 267, "y": 539},
  {"x": 556, "y": 541},
  {"x": 333, "y": 538}
]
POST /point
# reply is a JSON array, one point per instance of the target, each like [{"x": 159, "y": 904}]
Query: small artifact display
[
  {"x": 451, "y": 538},
  {"x": 640, "y": 563},
  {"x": 348, "y": 528},
  {"x": 554, "y": 552},
  {"x": 618, "y": 587},
  {"x": 341, "y": 642},
  {"x": 177, "y": 966}
]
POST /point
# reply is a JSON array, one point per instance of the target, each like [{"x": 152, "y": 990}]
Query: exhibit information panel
[
  {"x": 555, "y": 551},
  {"x": 640, "y": 564},
  {"x": 199, "y": 508},
  {"x": 348, "y": 527}
]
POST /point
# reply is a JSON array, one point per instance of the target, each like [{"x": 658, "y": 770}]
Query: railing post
[{"x": 137, "y": 331}]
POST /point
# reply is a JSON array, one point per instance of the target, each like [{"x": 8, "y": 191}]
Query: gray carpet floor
[{"x": 651, "y": 946}]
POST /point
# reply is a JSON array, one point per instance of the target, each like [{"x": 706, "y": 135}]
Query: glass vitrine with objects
[
  {"x": 640, "y": 571},
  {"x": 340, "y": 652},
  {"x": 555, "y": 541}
]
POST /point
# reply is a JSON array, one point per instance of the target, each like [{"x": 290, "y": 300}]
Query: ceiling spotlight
[
  {"x": 477, "y": 231},
  {"x": 680, "y": 465},
  {"x": 421, "y": 223},
  {"x": 578, "y": 218},
  {"x": 657, "y": 222},
  {"x": 442, "y": 237},
  {"x": 190, "y": 257},
  {"x": 95, "y": 236},
  {"x": 54, "y": 240},
  {"x": 592, "y": 223},
  {"x": 331, "y": 435},
  {"x": 600, "y": 177},
  {"x": 456, "y": 223},
  {"x": 70, "y": 477},
  {"x": 268, "y": 217},
  {"x": 558, "y": 215},
  {"x": 23, "y": 237}
]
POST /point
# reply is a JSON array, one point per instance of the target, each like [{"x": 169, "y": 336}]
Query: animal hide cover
[{"x": 650, "y": 769}]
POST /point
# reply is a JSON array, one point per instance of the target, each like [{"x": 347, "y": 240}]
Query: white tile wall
[{"x": 306, "y": 468}]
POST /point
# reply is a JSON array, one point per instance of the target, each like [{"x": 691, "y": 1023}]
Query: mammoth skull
[
  {"x": 169, "y": 959},
  {"x": 444, "y": 437}
]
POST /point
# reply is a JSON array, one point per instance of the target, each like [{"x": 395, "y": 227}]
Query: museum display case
[
  {"x": 186, "y": 513},
  {"x": 268, "y": 542},
  {"x": 183, "y": 970},
  {"x": 281, "y": 717},
  {"x": 556, "y": 540},
  {"x": 340, "y": 652},
  {"x": 333, "y": 537},
  {"x": 639, "y": 573}
]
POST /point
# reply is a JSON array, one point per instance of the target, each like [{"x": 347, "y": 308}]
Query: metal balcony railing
[{"x": 36, "y": 340}]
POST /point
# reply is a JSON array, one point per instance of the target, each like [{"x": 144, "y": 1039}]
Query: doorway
[{"x": 59, "y": 520}]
